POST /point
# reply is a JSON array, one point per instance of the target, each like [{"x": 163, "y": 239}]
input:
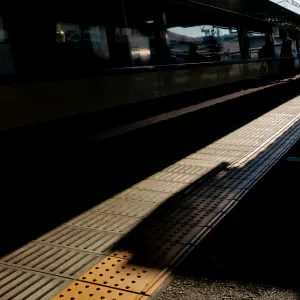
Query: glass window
[
  {"x": 6, "y": 61},
  {"x": 3, "y": 34},
  {"x": 135, "y": 44},
  {"x": 278, "y": 46},
  {"x": 81, "y": 45},
  {"x": 261, "y": 45},
  {"x": 204, "y": 43},
  {"x": 145, "y": 43}
]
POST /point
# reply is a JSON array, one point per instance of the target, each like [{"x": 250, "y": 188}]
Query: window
[
  {"x": 6, "y": 61},
  {"x": 135, "y": 44},
  {"x": 81, "y": 45},
  {"x": 3, "y": 34},
  {"x": 261, "y": 45},
  {"x": 204, "y": 43}
]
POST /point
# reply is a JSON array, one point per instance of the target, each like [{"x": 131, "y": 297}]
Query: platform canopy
[
  {"x": 292, "y": 5},
  {"x": 288, "y": 10}
]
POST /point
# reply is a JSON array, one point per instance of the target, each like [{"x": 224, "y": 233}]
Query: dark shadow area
[
  {"x": 257, "y": 243},
  {"x": 42, "y": 189}
]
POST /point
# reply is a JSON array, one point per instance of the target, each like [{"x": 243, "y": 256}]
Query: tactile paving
[
  {"x": 137, "y": 195},
  {"x": 177, "y": 168},
  {"x": 19, "y": 284},
  {"x": 184, "y": 232},
  {"x": 121, "y": 274},
  {"x": 198, "y": 162},
  {"x": 149, "y": 252},
  {"x": 143, "y": 248},
  {"x": 105, "y": 222},
  {"x": 160, "y": 186},
  {"x": 206, "y": 204},
  {"x": 52, "y": 260},
  {"x": 175, "y": 177},
  {"x": 212, "y": 158},
  {"x": 226, "y": 193},
  {"x": 81, "y": 239},
  {"x": 83, "y": 291},
  {"x": 139, "y": 209},
  {"x": 183, "y": 215},
  {"x": 226, "y": 152}
]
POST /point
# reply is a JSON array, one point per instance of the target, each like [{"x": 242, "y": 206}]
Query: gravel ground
[
  {"x": 191, "y": 288},
  {"x": 254, "y": 252}
]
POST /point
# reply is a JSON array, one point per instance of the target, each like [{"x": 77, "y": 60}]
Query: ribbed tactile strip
[
  {"x": 160, "y": 186},
  {"x": 19, "y": 284},
  {"x": 104, "y": 221},
  {"x": 128, "y": 208},
  {"x": 137, "y": 195},
  {"x": 52, "y": 260},
  {"x": 95, "y": 241}
]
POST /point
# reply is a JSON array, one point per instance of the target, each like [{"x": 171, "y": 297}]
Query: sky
[
  {"x": 287, "y": 4},
  {"x": 194, "y": 31}
]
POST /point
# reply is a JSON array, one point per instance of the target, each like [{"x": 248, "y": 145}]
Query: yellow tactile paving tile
[
  {"x": 87, "y": 291},
  {"x": 119, "y": 273}
]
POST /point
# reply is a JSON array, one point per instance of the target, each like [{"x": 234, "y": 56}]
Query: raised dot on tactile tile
[
  {"x": 122, "y": 279},
  {"x": 61, "y": 296}
]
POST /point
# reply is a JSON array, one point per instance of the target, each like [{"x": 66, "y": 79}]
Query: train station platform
[{"x": 127, "y": 246}]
